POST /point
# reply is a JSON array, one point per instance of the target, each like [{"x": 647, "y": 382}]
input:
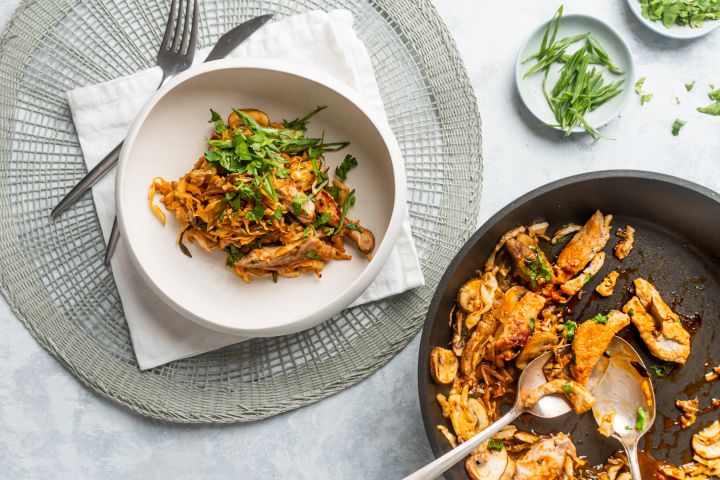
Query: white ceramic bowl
[
  {"x": 530, "y": 88},
  {"x": 170, "y": 135},
  {"x": 677, "y": 32}
]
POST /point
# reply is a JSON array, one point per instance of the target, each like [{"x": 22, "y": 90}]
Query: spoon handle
[
  {"x": 439, "y": 466},
  {"x": 632, "y": 454}
]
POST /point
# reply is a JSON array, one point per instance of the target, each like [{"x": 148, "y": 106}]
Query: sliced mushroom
[
  {"x": 706, "y": 442},
  {"x": 539, "y": 343},
  {"x": 486, "y": 464},
  {"x": 478, "y": 294},
  {"x": 443, "y": 365}
]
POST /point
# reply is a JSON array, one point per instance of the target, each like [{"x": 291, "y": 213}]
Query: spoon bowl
[{"x": 626, "y": 390}]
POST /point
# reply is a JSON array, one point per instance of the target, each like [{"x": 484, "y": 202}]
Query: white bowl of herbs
[
  {"x": 575, "y": 73},
  {"x": 678, "y": 19}
]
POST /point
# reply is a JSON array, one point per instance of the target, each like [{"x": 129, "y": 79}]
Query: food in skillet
[
  {"x": 517, "y": 309},
  {"x": 262, "y": 194}
]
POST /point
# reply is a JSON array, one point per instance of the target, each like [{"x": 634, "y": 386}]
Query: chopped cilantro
[
  {"x": 333, "y": 191},
  {"x": 658, "y": 370},
  {"x": 354, "y": 228},
  {"x": 322, "y": 219},
  {"x": 567, "y": 387},
  {"x": 587, "y": 279},
  {"x": 532, "y": 324},
  {"x": 297, "y": 203},
  {"x": 349, "y": 201},
  {"x": 689, "y": 85},
  {"x": 600, "y": 318},
  {"x": 631, "y": 312},
  {"x": 233, "y": 255}
]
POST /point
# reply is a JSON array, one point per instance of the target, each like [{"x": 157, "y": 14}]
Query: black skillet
[{"x": 677, "y": 247}]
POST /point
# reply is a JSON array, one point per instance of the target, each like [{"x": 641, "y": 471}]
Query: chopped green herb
[
  {"x": 182, "y": 246},
  {"x": 233, "y": 255},
  {"x": 600, "y": 318},
  {"x": 640, "y": 421},
  {"x": 691, "y": 13},
  {"x": 677, "y": 125},
  {"x": 297, "y": 203},
  {"x": 645, "y": 98},
  {"x": 496, "y": 445},
  {"x": 348, "y": 163},
  {"x": 567, "y": 387},
  {"x": 639, "y": 85},
  {"x": 333, "y": 191},
  {"x": 712, "y": 109},
  {"x": 475, "y": 395},
  {"x": 313, "y": 255},
  {"x": 349, "y": 201},
  {"x": 322, "y": 219},
  {"x": 689, "y": 85},
  {"x": 536, "y": 268},
  {"x": 587, "y": 279},
  {"x": 658, "y": 370},
  {"x": 216, "y": 119},
  {"x": 715, "y": 95},
  {"x": 354, "y": 227},
  {"x": 631, "y": 312},
  {"x": 677, "y": 100},
  {"x": 301, "y": 123},
  {"x": 532, "y": 324},
  {"x": 569, "y": 328}
]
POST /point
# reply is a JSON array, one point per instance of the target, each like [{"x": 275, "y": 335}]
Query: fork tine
[
  {"x": 168, "y": 26},
  {"x": 193, "y": 34},
  {"x": 186, "y": 30},
  {"x": 177, "y": 38}
]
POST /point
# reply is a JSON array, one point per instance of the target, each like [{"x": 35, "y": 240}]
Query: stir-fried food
[
  {"x": 660, "y": 328},
  {"x": 519, "y": 306},
  {"x": 263, "y": 194}
]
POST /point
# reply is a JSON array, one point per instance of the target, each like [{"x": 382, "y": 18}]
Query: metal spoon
[
  {"x": 625, "y": 389},
  {"x": 550, "y": 406}
]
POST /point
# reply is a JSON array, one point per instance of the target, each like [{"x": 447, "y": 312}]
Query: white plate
[
  {"x": 530, "y": 88},
  {"x": 675, "y": 31},
  {"x": 170, "y": 135}
]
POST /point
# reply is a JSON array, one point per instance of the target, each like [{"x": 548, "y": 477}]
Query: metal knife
[{"x": 223, "y": 46}]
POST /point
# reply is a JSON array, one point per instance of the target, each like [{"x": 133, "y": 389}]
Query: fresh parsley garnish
[
  {"x": 349, "y": 201},
  {"x": 677, "y": 125},
  {"x": 348, "y": 163},
  {"x": 301, "y": 123},
  {"x": 496, "y": 445},
  {"x": 536, "y": 268},
  {"x": 313, "y": 255},
  {"x": 640, "y": 421},
  {"x": 217, "y": 120},
  {"x": 569, "y": 328}
]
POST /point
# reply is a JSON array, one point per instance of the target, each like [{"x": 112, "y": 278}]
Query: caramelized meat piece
[
  {"x": 580, "y": 399},
  {"x": 586, "y": 243},
  {"x": 607, "y": 286},
  {"x": 658, "y": 325},
  {"x": 516, "y": 329},
  {"x": 689, "y": 409},
  {"x": 606, "y": 424},
  {"x": 625, "y": 245},
  {"x": 530, "y": 262},
  {"x": 572, "y": 287},
  {"x": 706, "y": 443},
  {"x": 592, "y": 338},
  {"x": 275, "y": 258},
  {"x": 547, "y": 460}
]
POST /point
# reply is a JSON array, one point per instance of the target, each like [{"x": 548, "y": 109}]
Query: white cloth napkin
[{"x": 103, "y": 114}]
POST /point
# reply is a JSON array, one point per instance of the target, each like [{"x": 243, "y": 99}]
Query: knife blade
[
  {"x": 223, "y": 46},
  {"x": 236, "y": 36}
]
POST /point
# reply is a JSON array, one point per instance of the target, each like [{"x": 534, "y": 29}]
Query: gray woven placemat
[{"x": 52, "y": 272}]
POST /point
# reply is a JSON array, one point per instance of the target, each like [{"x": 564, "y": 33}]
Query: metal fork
[{"x": 176, "y": 53}]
